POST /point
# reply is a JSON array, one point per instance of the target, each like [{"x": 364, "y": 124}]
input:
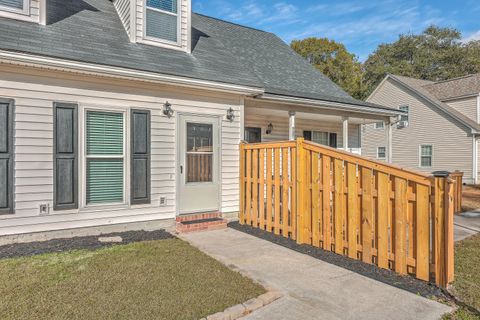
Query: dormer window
[
  {"x": 15, "y": 6},
  {"x": 162, "y": 20}
]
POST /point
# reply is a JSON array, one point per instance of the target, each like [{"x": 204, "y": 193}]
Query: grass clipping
[{"x": 167, "y": 279}]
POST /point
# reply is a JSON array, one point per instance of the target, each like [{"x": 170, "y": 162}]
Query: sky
[{"x": 360, "y": 25}]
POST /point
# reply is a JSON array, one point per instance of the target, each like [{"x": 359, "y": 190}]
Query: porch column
[
  {"x": 389, "y": 139},
  {"x": 345, "y": 133},
  {"x": 291, "y": 125}
]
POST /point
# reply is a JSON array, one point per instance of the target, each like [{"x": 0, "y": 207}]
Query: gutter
[
  {"x": 323, "y": 104},
  {"x": 123, "y": 73}
]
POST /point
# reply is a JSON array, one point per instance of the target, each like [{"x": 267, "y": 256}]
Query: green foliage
[
  {"x": 435, "y": 54},
  {"x": 334, "y": 61}
]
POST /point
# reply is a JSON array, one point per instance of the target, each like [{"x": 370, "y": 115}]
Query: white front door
[{"x": 198, "y": 172}]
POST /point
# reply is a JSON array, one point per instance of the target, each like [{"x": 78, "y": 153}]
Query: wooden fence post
[
  {"x": 443, "y": 229},
  {"x": 241, "y": 214},
  {"x": 301, "y": 185}
]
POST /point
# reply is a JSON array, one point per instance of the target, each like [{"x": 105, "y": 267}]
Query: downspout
[{"x": 475, "y": 159}]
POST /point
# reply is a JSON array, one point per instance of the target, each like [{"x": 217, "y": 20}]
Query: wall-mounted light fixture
[
  {"x": 269, "y": 128},
  {"x": 167, "y": 109},
  {"x": 230, "y": 115}
]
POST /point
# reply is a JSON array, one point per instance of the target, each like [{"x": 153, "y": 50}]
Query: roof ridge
[
  {"x": 231, "y": 23},
  {"x": 457, "y": 78}
]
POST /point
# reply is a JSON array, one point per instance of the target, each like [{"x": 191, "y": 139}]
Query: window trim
[
  {"x": 420, "y": 156},
  {"x": 24, "y": 11},
  {"x": 378, "y": 153},
  {"x": 179, "y": 24},
  {"x": 84, "y": 157}
]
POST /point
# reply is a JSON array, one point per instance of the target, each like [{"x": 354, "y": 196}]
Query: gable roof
[
  {"x": 458, "y": 87},
  {"x": 90, "y": 31},
  {"x": 419, "y": 88}
]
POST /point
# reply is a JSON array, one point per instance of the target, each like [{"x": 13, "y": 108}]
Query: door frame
[{"x": 218, "y": 166}]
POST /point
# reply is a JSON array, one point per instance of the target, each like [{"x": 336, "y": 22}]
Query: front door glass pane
[{"x": 199, "y": 155}]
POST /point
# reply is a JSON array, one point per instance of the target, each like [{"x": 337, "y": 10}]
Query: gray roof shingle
[
  {"x": 91, "y": 31},
  {"x": 458, "y": 87}
]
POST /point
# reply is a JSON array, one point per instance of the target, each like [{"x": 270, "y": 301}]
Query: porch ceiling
[{"x": 318, "y": 108}]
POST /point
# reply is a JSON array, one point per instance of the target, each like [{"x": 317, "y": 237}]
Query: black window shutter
[
  {"x": 6, "y": 156},
  {"x": 333, "y": 140},
  {"x": 65, "y": 173},
  {"x": 140, "y": 157},
  {"x": 307, "y": 135}
]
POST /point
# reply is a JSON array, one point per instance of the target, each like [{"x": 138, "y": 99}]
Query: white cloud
[{"x": 472, "y": 37}]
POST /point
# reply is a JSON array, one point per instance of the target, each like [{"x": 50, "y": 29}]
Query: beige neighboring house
[{"x": 440, "y": 132}]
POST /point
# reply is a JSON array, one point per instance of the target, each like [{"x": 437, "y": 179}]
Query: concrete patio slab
[
  {"x": 467, "y": 224},
  {"x": 312, "y": 289}
]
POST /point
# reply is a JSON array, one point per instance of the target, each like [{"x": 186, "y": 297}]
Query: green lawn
[
  {"x": 166, "y": 279},
  {"x": 467, "y": 277}
]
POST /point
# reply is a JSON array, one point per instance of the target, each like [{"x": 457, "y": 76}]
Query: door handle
[{"x": 181, "y": 169}]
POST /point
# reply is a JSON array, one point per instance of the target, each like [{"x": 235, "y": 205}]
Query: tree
[
  {"x": 435, "y": 54},
  {"x": 334, "y": 61}
]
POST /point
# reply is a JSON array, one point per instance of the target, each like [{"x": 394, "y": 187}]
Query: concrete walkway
[
  {"x": 312, "y": 289},
  {"x": 467, "y": 224}
]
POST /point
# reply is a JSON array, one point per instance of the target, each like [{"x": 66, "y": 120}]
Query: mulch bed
[
  {"x": 407, "y": 283},
  {"x": 78, "y": 243}
]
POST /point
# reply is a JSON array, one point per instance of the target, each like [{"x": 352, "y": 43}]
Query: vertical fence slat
[
  {"x": 269, "y": 189},
  {"x": 327, "y": 194},
  {"x": 352, "y": 186},
  {"x": 315, "y": 201},
  {"x": 301, "y": 182},
  {"x": 422, "y": 268},
  {"x": 285, "y": 189},
  {"x": 261, "y": 191},
  {"x": 276, "y": 214},
  {"x": 338, "y": 205},
  {"x": 382, "y": 219},
  {"x": 241, "y": 217},
  {"x": 293, "y": 214},
  {"x": 449, "y": 234},
  {"x": 367, "y": 213},
  {"x": 308, "y": 199},
  {"x": 248, "y": 202},
  {"x": 401, "y": 204},
  {"x": 255, "y": 189}
]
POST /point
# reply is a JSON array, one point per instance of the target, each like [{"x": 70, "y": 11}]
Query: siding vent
[{"x": 163, "y": 201}]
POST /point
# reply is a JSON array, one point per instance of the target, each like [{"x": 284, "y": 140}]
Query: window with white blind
[
  {"x": 105, "y": 158},
  {"x": 381, "y": 153},
  {"x": 426, "y": 156},
  {"x": 162, "y": 20},
  {"x": 321, "y": 138},
  {"x": 16, "y": 6}
]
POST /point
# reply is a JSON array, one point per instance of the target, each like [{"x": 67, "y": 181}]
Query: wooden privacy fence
[
  {"x": 457, "y": 176},
  {"x": 367, "y": 210}
]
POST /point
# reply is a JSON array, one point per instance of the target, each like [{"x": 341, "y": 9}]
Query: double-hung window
[
  {"x": 105, "y": 158},
  {"x": 404, "y": 118},
  {"x": 380, "y": 125},
  {"x": 426, "y": 156},
  {"x": 381, "y": 153},
  {"x": 162, "y": 20},
  {"x": 16, "y": 6}
]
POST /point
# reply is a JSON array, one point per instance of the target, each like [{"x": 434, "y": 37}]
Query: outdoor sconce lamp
[
  {"x": 167, "y": 109},
  {"x": 269, "y": 128},
  {"x": 230, "y": 115}
]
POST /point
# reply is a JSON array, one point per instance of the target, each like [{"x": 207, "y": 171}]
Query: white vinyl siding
[
  {"x": 34, "y": 145},
  {"x": 452, "y": 142},
  {"x": 123, "y": 10}
]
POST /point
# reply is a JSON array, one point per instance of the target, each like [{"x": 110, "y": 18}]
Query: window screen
[
  {"x": 426, "y": 155},
  {"x": 15, "y": 4}
]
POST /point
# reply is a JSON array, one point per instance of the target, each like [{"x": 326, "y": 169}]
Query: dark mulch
[
  {"x": 386, "y": 276},
  {"x": 78, "y": 243}
]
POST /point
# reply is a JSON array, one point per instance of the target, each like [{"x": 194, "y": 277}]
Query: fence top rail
[
  {"x": 394, "y": 170},
  {"x": 269, "y": 145}
]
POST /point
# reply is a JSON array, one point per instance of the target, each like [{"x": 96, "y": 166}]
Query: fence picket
[
  {"x": 285, "y": 192},
  {"x": 401, "y": 207},
  {"x": 367, "y": 214},
  {"x": 382, "y": 219},
  {"x": 269, "y": 190},
  {"x": 327, "y": 194},
  {"x": 261, "y": 190},
  {"x": 352, "y": 186},
  {"x": 338, "y": 205},
  {"x": 248, "y": 203},
  {"x": 277, "y": 213},
  {"x": 315, "y": 201}
]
